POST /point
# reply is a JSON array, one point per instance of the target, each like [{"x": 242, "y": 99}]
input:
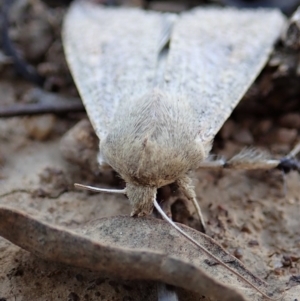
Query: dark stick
[
  {"x": 41, "y": 108},
  {"x": 42, "y": 102}
]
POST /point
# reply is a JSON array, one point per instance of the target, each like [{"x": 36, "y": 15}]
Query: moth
[{"x": 157, "y": 88}]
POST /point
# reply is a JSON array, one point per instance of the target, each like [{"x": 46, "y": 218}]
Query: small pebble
[
  {"x": 285, "y": 136},
  {"x": 286, "y": 261},
  {"x": 243, "y": 136},
  {"x": 246, "y": 229},
  {"x": 253, "y": 243},
  {"x": 290, "y": 120},
  {"x": 278, "y": 271},
  {"x": 73, "y": 297},
  {"x": 40, "y": 127},
  {"x": 263, "y": 127},
  {"x": 238, "y": 253}
]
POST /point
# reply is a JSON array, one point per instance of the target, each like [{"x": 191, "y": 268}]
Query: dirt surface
[{"x": 254, "y": 215}]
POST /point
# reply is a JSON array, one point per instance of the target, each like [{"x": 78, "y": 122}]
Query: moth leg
[
  {"x": 185, "y": 185},
  {"x": 247, "y": 159},
  {"x": 166, "y": 207},
  {"x": 250, "y": 159},
  {"x": 166, "y": 198}
]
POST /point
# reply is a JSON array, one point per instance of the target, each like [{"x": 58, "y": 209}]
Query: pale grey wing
[
  {"x": 113, "y": 55},
  {"x": 215, "y": 55}
]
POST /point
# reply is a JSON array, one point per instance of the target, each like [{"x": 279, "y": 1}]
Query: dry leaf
[{"x": 134, "y": 248}]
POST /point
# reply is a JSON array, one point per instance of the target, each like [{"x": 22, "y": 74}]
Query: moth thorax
[{"x": 141, "y": 198}]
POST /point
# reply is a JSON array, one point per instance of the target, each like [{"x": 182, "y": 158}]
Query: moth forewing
[
  {"x": 102, "y": 45},
  {"x": 215, "y": 55}
]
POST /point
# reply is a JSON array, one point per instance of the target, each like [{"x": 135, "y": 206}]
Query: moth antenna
[
  {"x": 96, "y": 189},
  {"x": 192, "y": 240}
]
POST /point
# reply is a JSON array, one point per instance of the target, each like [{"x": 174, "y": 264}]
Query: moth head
[{"x": 141, "y": 197}]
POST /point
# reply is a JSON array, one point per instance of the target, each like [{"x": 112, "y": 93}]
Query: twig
[
  {"x": 44, "y": 102},
  {"x": 40, "y": 108}
]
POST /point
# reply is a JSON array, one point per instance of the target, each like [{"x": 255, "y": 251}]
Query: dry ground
[{"x": 254, "y": 215}]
